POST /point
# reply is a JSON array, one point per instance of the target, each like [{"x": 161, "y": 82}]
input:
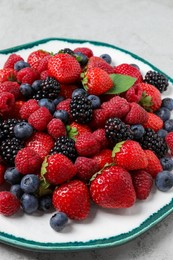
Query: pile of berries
[{"x": 75, "y": 129}]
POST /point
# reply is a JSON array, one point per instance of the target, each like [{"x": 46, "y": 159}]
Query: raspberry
[
  {"x": 84, "y": 50},
  {"x": 2, "y": 171},
  {"x": 134, "y": 93},
  {"x": 9, "y": 204},
  {"x": 15, "y": 111},
  {"x": 11, "y": 87},
  {"x": 43, "y": 64},
  {"x": 44, "y": 74},
  {"x": 136, "y": 115},
  {"x": 100, "y": 136},
  {"x": 7, "y": 101},
  {"x": 86, "y": 168},
  {"x": 56, "y": 128},
  {"x": 169, "y": 141},
  {"x": 7, "y": 74},
  {"x": 28, "y": 108},
  {"x": 99, "y": 118},
  {"x": 12, "y": 59},
  {"x": 103, "y": 157},
  {"x": 27, "y": 75},
  {"x": 40, "y": 119}
]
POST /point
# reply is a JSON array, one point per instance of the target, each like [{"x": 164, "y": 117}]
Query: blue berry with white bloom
[
  {"x": 26, "y": 90},
  {"x": 45, "y": 203},
  {"x": 138, "y": 131},
  {"x": 168, "y": 103},
  {"x": 16, "y": 190},
  {"x": 23, "y": 130},
  {"x": 95, "y": 100},
  {"x": 79, "y": 91},
  {"x": 62, "y": 115},
  {"x": 162, "y": 133},
  {"x": 81, "y": 58},
  {"x": 57, "y": 100},
  {"x": 44, "y": 102},
  {"x": 12, "y": 175},
  {"x": 164, "y": 181},
  {"x": 36, "y": 85},
  {"x": 21, "y": 65},
  {"x": 29, "y": 203},
  {"x": 58, "y": 221},
  {"x": 30, "y": 183},
  {"x": 164, "y": 113},
  {"x": 106, "y": 57},
  {"x": 168, "y": 125},
  {"x": 167, "y": 163}
]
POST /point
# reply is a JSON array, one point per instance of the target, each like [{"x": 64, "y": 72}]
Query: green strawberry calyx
[
  {"x": 72, "y": 132},
  {"x": 117, "y": 148},
  {"x": 84, "y": 80},
  {"x": 44, "y": 184},
  {"x": 146, "y": 101},
  {"x": 107, "y": 165},
  {"x": 121, "y": 83}
]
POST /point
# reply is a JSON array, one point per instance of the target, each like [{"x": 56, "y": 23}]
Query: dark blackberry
[
  {"x": 49, "y": 89},
  {"x": 9, "y": 149},
  {"x": 81, "y": 109},
  {"x": 7, "y": 126},
  {"x": 67, "y": 50},
  {"x": 156, "y": 79},
  {"x": 117, "y": 131},
  {"x": 66, "y": 146},
  {"x": 152, "y": 141}
]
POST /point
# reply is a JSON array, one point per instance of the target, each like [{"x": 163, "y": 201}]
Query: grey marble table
[{"x": 143, "y": 27}]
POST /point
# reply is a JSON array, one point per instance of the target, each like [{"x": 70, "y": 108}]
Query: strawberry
[
  {"x": 28, "y": 161},
  {"x": 72, "y": 198},
  {"x": 117, "y": 193},
  {"x": 134, "y": 93},
  {"x": 7, "y": 75},
  {"x": 143, "y": 183},
  {"x": 76, "y": 129},
  {"x": 27, "y": 75},
  {"x": 28, "y": 108},
  {"x": 44, "y": 74},
  {"x": 96, "y": 81},
  {"x": 7, "y": 101},
  {"x": 35, "y": 57},
  {"x": 100, "y": 136},
  {"x": 84, "y": 50},
  {"x": 12, "y": 87},
  {"x": 126, "y": 69},
  {"x": 130, "y": 155},
  {"x": 40, "y": 119},
  {"x": 154, "y": 166},
  {"x": 169, "y": 141},
  {"x": 151, "y": 97},
  {"x": 87, "y": 145},
  {"x": 43, "y": 64},
  {"x": 2, "y": 171},
  {"x": 56, "y": 128},
  {"x": 97, "y": 62},
  {"x": 12, "y": 59},
  {"x": 154, "y": 122},
  {"x": 65, "y": 68},
  {"x": 57, "y": 168},
  {"x": 136, "y": 115},
  {"x": 9, "y": 204},
  {"x": 103, "y": 157},
  {"x": 67, "y": 90},
  {"x": 86, "y": 168}
]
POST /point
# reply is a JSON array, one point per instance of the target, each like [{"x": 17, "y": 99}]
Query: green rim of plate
[{"x": 96, "y": 243}]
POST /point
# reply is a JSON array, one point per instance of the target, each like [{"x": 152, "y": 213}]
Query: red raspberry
[
  {"x": 7, "y": 74},
  {"x": 28, "y": 161},
  {"x": 100, "y": 136},
  {"x": 9, "y": 204},
  {"x": 12, "y": 59},
  {"x": 99, "y": 118},
  {"x": 15, "y": 111},
  {"x": 67, "y": 90},
  {"x": 43, "y": 64},
  {"x": 97, "y": 62},
  {"x": 40, "y": 118},
  {"x": 56, "y": 128},
  {"x": 86, "y": 168},
  {"x": 7, "y": 101},
  {"x": 11, "y": 87},
  {"x": 2, "y": 171},
  {"x": 27, "y": 75},
  {"x": 84, "y": 50},
  {"x": 134, "y": 93},
  {"x": 28, "y": 108},
  {"x": 136, "y": 115},
  {"x": 65, "y": 105},
  {"x": 44, "y": 74},
  {"x": 35, "y": 57},
  {"x": 103, "y": 157},
  {"x": 169, "y": 141}
]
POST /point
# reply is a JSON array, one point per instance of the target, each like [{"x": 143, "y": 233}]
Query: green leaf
[
  {"x": 72, "y": 133},
  {"x": 117, "y": 148},
  {"x": 44, "y": 188},
  {"x": 146, "y": 101},
  {"x": 43, "y": 168},
  {"x": 121, "y": 83},
  {"x": 99, "y": 172}
]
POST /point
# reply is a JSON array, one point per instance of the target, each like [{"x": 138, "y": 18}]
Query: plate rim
[{"x": 96, "y": 243}]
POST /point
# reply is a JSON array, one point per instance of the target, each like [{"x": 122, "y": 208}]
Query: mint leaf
[
  {"x": 117, "y": 148},
  {"x": 121, "y": 83}
]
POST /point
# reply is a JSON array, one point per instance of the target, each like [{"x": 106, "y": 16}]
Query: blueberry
[
  {"x": 135, "y": 66},
  {"x": 21, "y": 65},
  {"x": 138, "y": 131},
  {"x": 168, "y": 125},
  {"x": 62, "y": 115},
  {"x": 45, "y": 203},
  {"x": 81, "y": 58},
  {"x": 30, "y": 183},
  {"x": 168, "y": 103},
  {"x": 29, "y": 203},
  {"x": 36, "y": 85},
  {"x": 23, "y": 130},
  {"x": 95, "y": 100},
  {"x": 44, "y": 102},
  {"x": 79, "y": 91},
  {"x": 167, "y": 163},
  {"x": 58, "y": 221},
  {"x": 162, "y": 133},
  {"x": 16, "y": 190},
  {"x": 106, "y": 57},
  {"x": 12, "y": 175},
  {"x": 26, "y": 90},
  {"x": 164, "y": 180},
  {"x": 164, "y": 113},
  {"x": 58, "y": 100}
]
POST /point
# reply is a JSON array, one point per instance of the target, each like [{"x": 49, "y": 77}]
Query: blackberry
[
  {"x": 66, "y": 146},
  {"x": 67, "y": 50},
  {"x": 49, "y": 89},
  {"x": 152, "y": 141},
  {"x": 157, "y": 79},
  {"x": 7, "y": 126},
  {"x": 9, "y": 149},
  {"x": 117, "y": 131},
  {"x": 81, "y": 109}
]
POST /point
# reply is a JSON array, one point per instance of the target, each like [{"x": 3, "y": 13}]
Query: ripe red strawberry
[
  {"x": 86, "y": 168},
  {"x": 67, "y": 90},
  {"x": 12, "y": 59},
  {"x": 103, "y": 157},
  {"x": 28, "y": 108},
  {"x": 35, "y": 57},
  {"x": 136, "y": 114},
  {"x": 97, "y": 81},
  {"x": 9, "y": 204},
  {"x": 97, "y": 62},
  {"x": 154, "y": 122},
  {"x": 75, "y": 130},
  {"x": 134, "y": 93},
  {"x": 87, "y": 145},
  {"x": 41, "y": 143},
  {"x": 57, "y": 168},
  {"x": 117, "y": 193},
  {"x": 40, "y": 119},
  {"x": 7, "y": 75},
  {"x": 12, "y": 87},
  {"x": 7, "y": 101},
  {"x": 72, "y": 198},
  {"x": 65, "y": 68},
  {"x": 130, "y": 155},
  {"x": 151, "y": 97},
  {"x": 126, "y": 69},
  {"x": 84, "y": 50},
  {"x": 2, "y": 171},
  {"x": 27, "y": 75},
  {"x": 28, "y": 161},
  {"x": 99, "y": 118},
  {"x": 169, "y": 141},
  {"x": 56, "y": 128},
  {"x": 43, "y": 64},
  {"x": 143, "y": 183},
  {"x": 154, "y": 166},
  {"x": 100, "y": 136},
  {"x": 15, "y": 111}
]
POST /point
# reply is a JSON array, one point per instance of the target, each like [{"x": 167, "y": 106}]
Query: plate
[{"x": 104, "y": 227}]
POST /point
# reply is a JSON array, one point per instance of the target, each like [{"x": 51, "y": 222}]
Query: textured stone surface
[{"x": 143, "y": 27}]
